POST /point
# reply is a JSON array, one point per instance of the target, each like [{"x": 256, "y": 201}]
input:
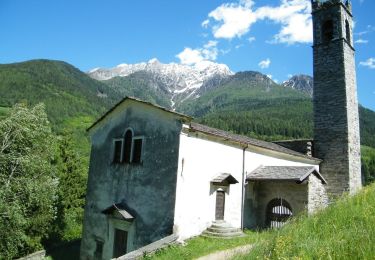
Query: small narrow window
[
  {"x": 99, "y": 249},
  {"x": 137, "y": 150},
  {"x": 117, "y": 153},
  {"x": 347, "y": 27},
  {"x": 327, "y": 31},
  {"x": 128, "y": 146}
]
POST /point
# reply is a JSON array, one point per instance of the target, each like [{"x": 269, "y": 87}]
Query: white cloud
[
  {"x": 264, "y": 64},
  {"x": 369, "y": 29},
  {"x": 361, "y": 41},
  {"x": 205, "y": 23},
  {"x": 295, "y": 19},
  {"x": 238, "y": 46},
  {"x": 191, "y": 56},
  {"x": 210, "y": 44},
  {"x": 235, "y": 19},
  {"x": 251, "y": 39},
  {"x": 370, "y": 63},
  {"x": 210, "y": 51}
]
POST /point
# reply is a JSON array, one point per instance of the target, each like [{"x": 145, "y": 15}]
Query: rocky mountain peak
[
  {"x": 181, "y": 81},
  {"x": 303, "y": 83}
]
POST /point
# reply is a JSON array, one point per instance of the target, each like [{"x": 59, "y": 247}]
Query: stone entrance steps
[{"x": 222, "y": 229}]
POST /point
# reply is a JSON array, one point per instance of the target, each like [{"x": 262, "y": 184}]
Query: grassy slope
[
  {"x": 346, "y": 230},
  {"x": 200, "y": 246}
]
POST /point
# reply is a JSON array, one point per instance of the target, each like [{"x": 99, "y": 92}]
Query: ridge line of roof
[{"x": 137, "y": 100}]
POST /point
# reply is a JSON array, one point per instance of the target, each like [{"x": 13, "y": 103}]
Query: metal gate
[{"x": 278, "y": 212}]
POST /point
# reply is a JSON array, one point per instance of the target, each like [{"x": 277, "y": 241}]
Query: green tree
[
  {"x": 72, "y": 174},
  {"x": 27, "y": 180},
  {"x": 368, "y": 164}
]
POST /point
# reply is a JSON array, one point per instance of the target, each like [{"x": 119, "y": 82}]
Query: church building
[{"x": 154, "y": 172}]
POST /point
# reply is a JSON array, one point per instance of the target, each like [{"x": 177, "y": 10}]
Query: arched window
[
  {"x": 347, "y": 29},
  {"x": 128, "y": 149},
  {"x": 278, "y": 212},
  {"x": 128, "y": 140},
  {"x": 327, "y": 31}
]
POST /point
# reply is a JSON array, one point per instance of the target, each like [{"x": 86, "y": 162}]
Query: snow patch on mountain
[
  {"x": 303, "y": 83},
  {"x": 181, "y": 81}
]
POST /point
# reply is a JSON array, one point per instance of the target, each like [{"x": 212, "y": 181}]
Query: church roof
[
  {"x": 245, "y": 140},
  {"x": 185, "y": 117},
  {"x": 224, "y": 178},
  {"x": 284, "y": 173}
]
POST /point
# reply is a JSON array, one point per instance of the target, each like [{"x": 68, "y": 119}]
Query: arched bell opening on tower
[{"x": 327, "y": 31}]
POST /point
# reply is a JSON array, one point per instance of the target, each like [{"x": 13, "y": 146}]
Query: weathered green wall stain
[{"x": 148, "y": 189}]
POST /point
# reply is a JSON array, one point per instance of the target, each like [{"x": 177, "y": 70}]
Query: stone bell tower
[{"x": 336, "y": 123}]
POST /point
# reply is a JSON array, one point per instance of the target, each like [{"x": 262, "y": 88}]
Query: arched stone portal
[{"x": 278, "y": 212}]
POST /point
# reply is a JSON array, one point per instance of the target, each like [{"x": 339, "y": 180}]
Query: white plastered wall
[{"x": 200, "y": 160}]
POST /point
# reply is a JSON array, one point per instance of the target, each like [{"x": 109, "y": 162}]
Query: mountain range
[
  {"x": 248, "y": 103},
  {"x": 177, "y": 82}
]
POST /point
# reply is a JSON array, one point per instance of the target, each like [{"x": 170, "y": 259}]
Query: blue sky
[{"x": 270, "y": 36}]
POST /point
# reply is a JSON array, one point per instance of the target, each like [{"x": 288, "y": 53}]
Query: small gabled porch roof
[
  {"x": 121, "y": 209},
  {"x": 224, "y": 179},
  {"x": 284, "y": 173}
]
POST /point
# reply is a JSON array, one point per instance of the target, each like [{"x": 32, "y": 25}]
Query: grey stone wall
[
  {"x": 336, "y": 124},
  {"x": 148, "y": 189},
  {"x": 302, "y": 146},
  {"x": 259, "y": 194},
  {"x": 317, "y": 195}
]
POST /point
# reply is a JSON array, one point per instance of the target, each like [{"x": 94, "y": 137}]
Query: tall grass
[{"x": 345, "y": 230}]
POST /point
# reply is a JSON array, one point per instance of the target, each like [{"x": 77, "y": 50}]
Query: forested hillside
[
  {"x": 66, "y": 91},
  {"x": 251, "y": 104}
]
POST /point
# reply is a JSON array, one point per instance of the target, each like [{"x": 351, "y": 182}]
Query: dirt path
[{"x": 227, "y": 254}]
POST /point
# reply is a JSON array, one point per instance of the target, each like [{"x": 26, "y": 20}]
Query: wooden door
[
  {"x": 120, "y": 243},
  {"x": 220, "y": 205}
]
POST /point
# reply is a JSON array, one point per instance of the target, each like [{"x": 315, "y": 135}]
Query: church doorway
[
  {"x": 277, "y": 213},
  {"x": 120, "y": 242},
  {"x": 220, "y": 205}
]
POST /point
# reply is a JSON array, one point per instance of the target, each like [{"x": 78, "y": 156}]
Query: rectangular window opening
[
  {"x": 117, "y": 153},
  {"x": 137, "y": 150}
]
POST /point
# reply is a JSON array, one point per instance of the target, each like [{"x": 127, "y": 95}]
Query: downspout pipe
[{"x": 243, "y": 186}]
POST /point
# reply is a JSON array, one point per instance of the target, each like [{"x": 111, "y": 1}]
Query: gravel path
[{"x": 227, "y": 254}]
